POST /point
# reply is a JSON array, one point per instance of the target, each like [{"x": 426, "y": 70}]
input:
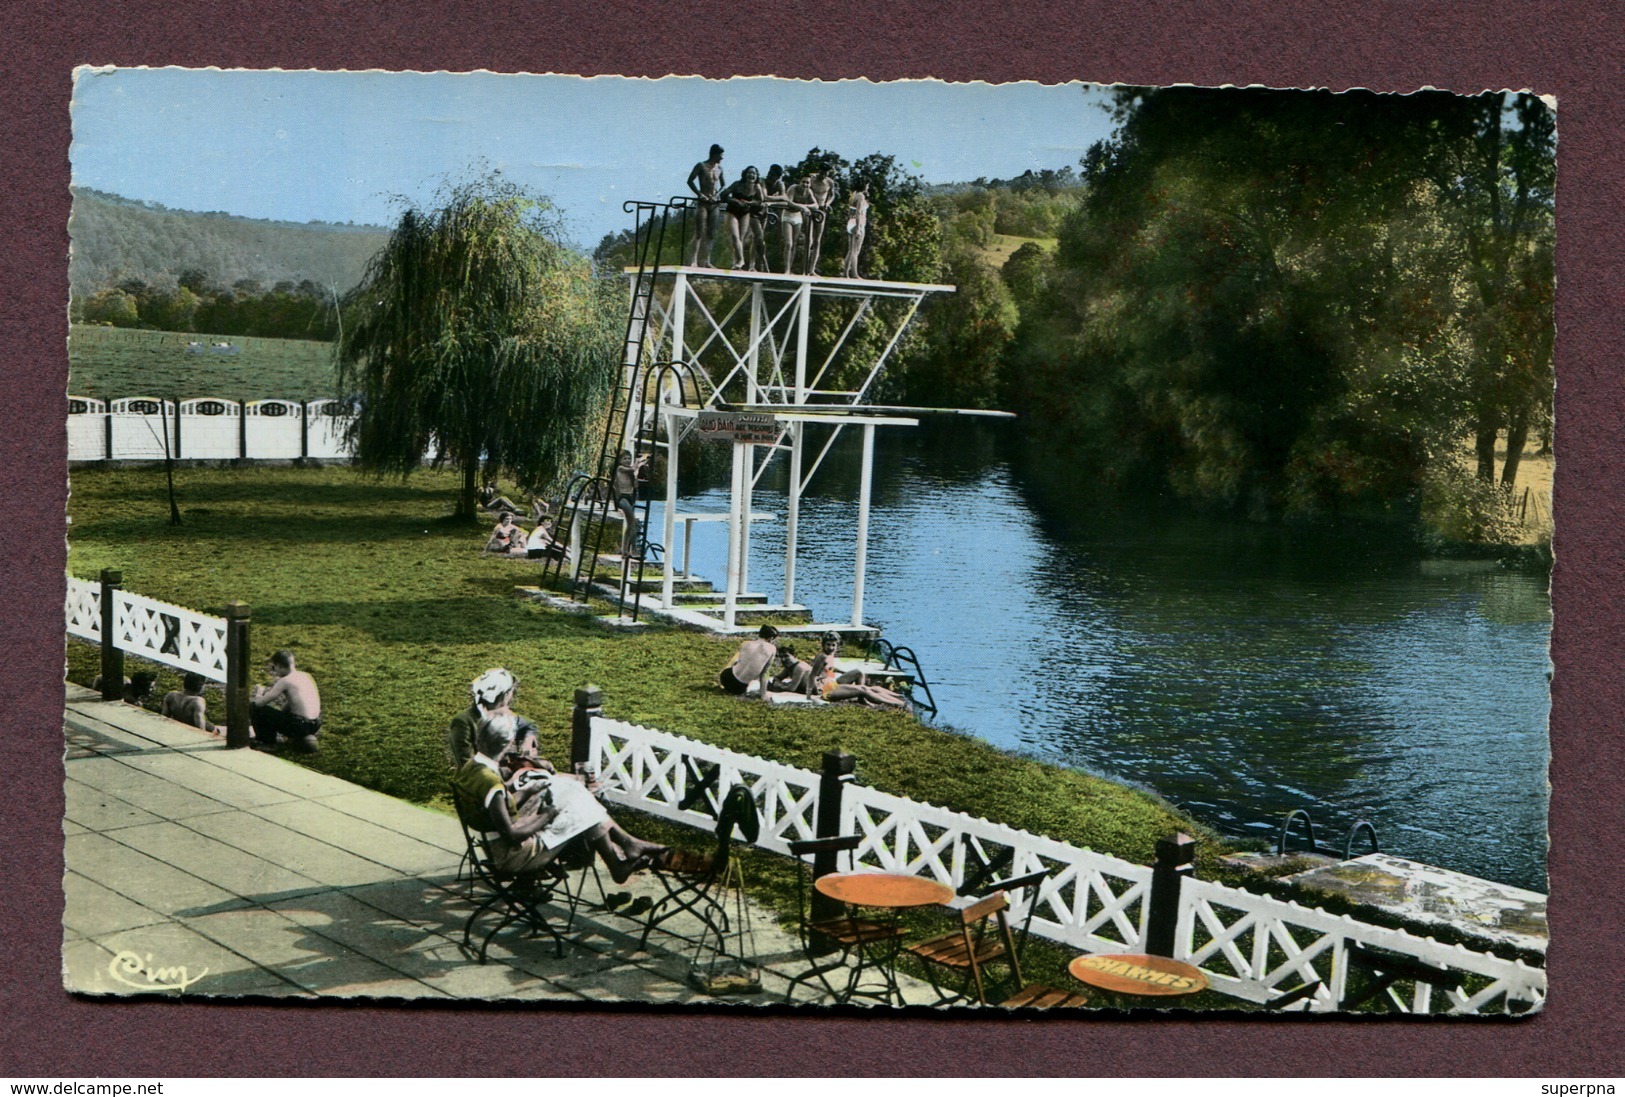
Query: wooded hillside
[{"x": 115, "y": 239}]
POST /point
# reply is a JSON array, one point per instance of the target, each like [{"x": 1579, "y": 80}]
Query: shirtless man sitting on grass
[
  {"x": 752, "y": 663},
  {"x": 186, "y": 704},
  {"x": 795, "y": 675},
  {"x": 290, "y": 708}
]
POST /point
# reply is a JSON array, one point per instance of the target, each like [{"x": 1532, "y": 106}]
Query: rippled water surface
[{"x": 1239, "y": 670}]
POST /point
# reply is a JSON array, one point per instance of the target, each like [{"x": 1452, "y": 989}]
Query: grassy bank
[{"x": 394, "y": 610}]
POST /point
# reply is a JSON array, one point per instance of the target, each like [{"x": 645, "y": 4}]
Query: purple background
[{"x": 1571, "y": 50}]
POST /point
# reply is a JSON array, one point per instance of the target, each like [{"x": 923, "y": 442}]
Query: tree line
[
  {"x": 1275, "y": 302},
  {"x": 286, "y": 310},
  {"x": 1278, "y": 301}
]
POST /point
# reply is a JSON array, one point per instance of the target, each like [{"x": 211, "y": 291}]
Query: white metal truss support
[
  {"x": 861, "y": 556},
  {"x": 736, "y": 522},
  {"x": 803, "y": 330},
  {"x": 669, "y": 533},
  {"x": 793, "y": 515},
  {"x": 880, "y": 362},
  {"x": 753, "y": 354},
  {"x": 746, "y": 485}
]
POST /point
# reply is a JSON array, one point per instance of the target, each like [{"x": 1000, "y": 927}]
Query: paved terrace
[{"x": 261, "y": 877}]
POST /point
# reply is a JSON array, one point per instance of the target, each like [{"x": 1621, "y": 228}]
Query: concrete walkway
[{"x": 230, "y": 872}]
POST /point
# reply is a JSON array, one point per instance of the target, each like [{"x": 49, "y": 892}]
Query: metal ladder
[
  {"x": 588, "y": 497},
  {"x": 895, "y": 657}
]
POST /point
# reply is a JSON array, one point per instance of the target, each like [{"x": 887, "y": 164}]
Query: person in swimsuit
[
  {"x": 821, "y": 195},
  {"x": 744, "y": 200},
  {"x": 799, "y": 222},
  {"x": 491, "y": 499},
  {"x": 795, "y": 676},
  {"x": 291, "y": 708},
  {"x": 624, "y": 489},
  {"x": 752, "y": 663},
  {"x": 852, "y": 686},
  {"x": 773, "y": 185},
  {"x": 506, "y": 538},
  {"x": 705, "y": 180},
  {"x": 857, "y": 223},
  {"x": 187, "y": 705}
]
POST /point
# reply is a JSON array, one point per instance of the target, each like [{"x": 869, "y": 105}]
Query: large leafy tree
[
  {"x": 477, "y": 336},
  {"x": 1270, "y": 299}
]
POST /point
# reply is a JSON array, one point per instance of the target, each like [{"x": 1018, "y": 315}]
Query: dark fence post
[
  {"x": 304, "y": 430},
  {"x": 177, "y": 453},
  {"x": 107, "y": 431},
  {"x": 112, "y": 654},
  {"x": 589, "y": 703},
  {"x": 242, "y": 430},
  {"x": 237, "y": 656},
  {"x": 837, "y": 771},
  {"x": 1175, "y": 855}
]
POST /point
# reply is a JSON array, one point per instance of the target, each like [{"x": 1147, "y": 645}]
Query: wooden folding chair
[
  {"x": 828, "y": 943},
  {"x": 1028, "y": 995},
  {"x": 983, "y": 937}
]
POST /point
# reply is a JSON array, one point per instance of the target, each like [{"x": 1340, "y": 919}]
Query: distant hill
[{"x": 116, "y": 238}]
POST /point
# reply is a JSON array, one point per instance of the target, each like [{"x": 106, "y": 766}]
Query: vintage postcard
[{"x": 812, "y": 543}]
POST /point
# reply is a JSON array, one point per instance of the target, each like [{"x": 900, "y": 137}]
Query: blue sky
[{"x": 303, "y": 146}]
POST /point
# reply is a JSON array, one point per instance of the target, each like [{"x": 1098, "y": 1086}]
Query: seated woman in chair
[
  {"x": 852, "y": 686},
  {"x": 526, "y": 830}
]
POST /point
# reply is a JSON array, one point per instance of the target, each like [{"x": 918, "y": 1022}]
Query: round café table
[
  {"x": 1138, "y": 974},
  {"x": 883, "y": 890},
  {"x": 890, "y": 892}
]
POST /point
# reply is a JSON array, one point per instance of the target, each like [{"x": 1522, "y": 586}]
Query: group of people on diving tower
[{"x": 802, "y": 205}]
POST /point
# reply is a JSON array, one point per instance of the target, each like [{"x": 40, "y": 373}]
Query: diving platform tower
[
  {"x": 724, "y": 355},
  {"x": 747, "y": 343}
]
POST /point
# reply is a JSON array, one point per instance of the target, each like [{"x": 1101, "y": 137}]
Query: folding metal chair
[
  {"x": 519, "y": 897},
  {"x": 694, "y": 882}
]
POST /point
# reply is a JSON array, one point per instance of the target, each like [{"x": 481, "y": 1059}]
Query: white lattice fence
[
  {"x": 1251, "y": 946},
  {"x": 1256, "y": 946},
  {"x": 1090, "y": 901},
  {"x": 165, "y": 633},
  {"x": 84, "y": 609},
  {"x": 655, "y": 771}
]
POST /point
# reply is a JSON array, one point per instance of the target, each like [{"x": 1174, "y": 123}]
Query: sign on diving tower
[{"x": 746, "y": 337}]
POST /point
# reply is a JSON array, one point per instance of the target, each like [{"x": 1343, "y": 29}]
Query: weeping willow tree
[{"x": 475, "y": 335}]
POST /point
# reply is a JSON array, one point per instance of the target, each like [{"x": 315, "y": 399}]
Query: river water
[{"x": 1240, "y": 670}]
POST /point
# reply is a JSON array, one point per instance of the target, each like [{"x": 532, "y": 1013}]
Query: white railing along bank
[
  {"x": 165, "y": 633},
  {"x": 124, "y": 623},
  {"x": 1251, "y": 946}
]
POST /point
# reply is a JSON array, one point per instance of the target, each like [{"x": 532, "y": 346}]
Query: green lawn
[
  {"x": 390, "y": 605},
  {"x": 110, "y": 363}
]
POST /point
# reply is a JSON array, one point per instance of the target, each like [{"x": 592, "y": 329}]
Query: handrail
[
  {"x": 1309, "y": 824},
  {"x": 894, "y": 657},
  {"x": 1365, "y": 825}
]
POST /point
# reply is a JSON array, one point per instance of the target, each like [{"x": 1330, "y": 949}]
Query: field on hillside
[
  {"x": 1003, "y": 247},
  {"x": 109, "y": 363}
]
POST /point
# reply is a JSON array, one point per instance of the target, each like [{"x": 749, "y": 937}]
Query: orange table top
[
  {"x": 1138, "y": 974},
  {"x": 883, "y": 889}
]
